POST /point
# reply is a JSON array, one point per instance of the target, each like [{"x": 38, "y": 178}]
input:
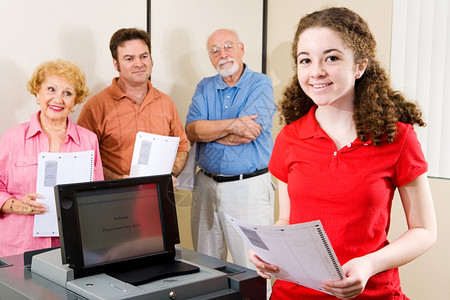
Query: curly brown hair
[{"x": 377, "y": 107}]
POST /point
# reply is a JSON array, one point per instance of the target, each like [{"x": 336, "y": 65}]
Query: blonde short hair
[{"x": 68, "y": 70}]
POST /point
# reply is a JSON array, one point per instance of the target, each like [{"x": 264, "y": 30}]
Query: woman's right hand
[{"x": 262, "y": 268}]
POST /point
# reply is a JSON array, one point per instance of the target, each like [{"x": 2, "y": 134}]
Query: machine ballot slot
[
  {"x": 4, "y": 264},
  {"x": 228, "y": 270}
]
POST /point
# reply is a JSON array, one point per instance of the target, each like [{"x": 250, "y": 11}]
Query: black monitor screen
[
  {"x": 116, "y": 224},
  {"x": 129, "y": 224}
]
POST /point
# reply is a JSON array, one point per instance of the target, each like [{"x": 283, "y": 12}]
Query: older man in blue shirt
[{"x": 230, "y": 118}]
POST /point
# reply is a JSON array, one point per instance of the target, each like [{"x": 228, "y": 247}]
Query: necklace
[{"x": 54, "y": 129}]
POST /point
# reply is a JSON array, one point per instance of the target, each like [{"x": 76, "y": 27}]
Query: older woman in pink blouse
[{"x": 58, "y": 86}]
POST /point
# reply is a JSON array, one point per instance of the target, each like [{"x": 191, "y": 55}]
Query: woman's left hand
[
  {"x": 29, "y": 206},
  {"x": 357, "y": 272}
]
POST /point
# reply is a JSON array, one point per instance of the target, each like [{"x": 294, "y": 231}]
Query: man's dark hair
[{"x": 128, "y": 34}]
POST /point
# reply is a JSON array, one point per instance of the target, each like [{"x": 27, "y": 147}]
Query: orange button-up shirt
[{"x": 116, "y": 118}]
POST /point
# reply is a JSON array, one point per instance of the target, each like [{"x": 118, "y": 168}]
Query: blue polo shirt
[{"x": 215, "y": 100}]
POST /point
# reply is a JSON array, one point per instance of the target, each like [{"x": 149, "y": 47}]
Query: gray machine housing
[
  {"x": 48, "y": 278},
  {"x": 102, "y": 286}
]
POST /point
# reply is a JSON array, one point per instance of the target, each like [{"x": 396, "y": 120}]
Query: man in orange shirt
[{"x": 129, "y": 105}]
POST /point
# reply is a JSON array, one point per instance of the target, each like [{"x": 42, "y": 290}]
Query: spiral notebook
[
  {"x": 153, "y": 154},
  {"x": 58, "y": 168},
  {"x": 302, "y": 251}
]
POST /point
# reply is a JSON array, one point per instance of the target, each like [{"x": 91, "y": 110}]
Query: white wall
[{"x": 35, "y": 31}]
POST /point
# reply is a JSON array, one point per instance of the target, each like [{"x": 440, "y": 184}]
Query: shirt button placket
[
  {"x": 335, "y": 159},
  {"x": 227, "y": 103}
]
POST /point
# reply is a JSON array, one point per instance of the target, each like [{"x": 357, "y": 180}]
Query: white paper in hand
[
  {"x": 302, "y": 252},
  {"x": 58, "y": 168},
  {"x": 153, "y": 154}
]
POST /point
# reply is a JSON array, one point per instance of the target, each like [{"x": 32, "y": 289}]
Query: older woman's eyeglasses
[{"x": 215, "y": 50}]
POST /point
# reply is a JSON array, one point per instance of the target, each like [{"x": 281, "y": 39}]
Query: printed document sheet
[
  {"x": 186, "y": 177},
  {"x": 302, "y": 252},
  {"x": 153, "y": 154},
  {"x": 58, "y": 168}
]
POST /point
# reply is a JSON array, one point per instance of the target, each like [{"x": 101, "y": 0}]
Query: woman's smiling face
[
  {"x": 56, "y": 98},
  {"x": 326, "y": 68}
]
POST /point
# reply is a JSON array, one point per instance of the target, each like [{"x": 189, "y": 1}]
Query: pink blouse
[{"x": 19, "y": 149}]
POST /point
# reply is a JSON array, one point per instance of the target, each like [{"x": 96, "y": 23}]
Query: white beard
[{"x": 229, "y": 71}]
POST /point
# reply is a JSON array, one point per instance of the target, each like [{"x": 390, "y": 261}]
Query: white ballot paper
[
  {"x": 58, "y": 168},
  {"x": 302, "y": 252},
  {"x": 153, "y": 154},
  {"x": 186, "y": 177}
]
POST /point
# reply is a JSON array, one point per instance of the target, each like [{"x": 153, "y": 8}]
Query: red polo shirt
[{"x": 350, "y": 190}]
